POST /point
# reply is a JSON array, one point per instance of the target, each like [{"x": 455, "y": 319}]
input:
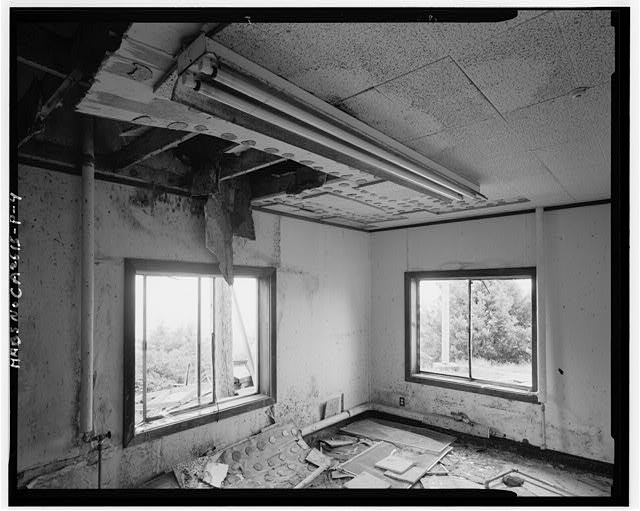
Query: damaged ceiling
[{"x": 517, "y": 110}]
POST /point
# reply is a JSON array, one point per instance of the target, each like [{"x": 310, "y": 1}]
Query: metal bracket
[{"x": 199, "y": 57}]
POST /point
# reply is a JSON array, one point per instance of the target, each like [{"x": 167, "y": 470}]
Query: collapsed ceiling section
[
  {"x": 302, "y": 156},
  {"x": 360, "y": 125}
]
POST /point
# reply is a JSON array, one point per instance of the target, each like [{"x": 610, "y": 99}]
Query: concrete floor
[{"x": 475, "y": 460}]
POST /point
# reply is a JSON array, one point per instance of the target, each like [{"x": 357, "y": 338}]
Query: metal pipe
[
  {"x": 295, "y": 126},
  {"x": 541, "y": 338},
  {"x": 87, "y": 299},
  {"x": 330, "y": 421},
  {"x": 238, "y": 82}
]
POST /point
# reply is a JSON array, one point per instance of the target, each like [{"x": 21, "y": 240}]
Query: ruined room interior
[{"x": 316, "y": 255}]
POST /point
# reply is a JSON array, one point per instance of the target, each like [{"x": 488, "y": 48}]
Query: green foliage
[
  {"x": 170, "y": 351},
  {"x": 501, "y": 322}
]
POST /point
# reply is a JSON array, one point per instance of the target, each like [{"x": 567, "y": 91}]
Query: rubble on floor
[{"x": 383, "y": 454}]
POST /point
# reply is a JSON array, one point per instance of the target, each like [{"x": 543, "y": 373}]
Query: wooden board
[{"x": 427, "y": 441}]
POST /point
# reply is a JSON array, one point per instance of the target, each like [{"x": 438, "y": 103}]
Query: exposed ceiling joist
[
  {"x": 55, "y": 157},
  {"x": 147, "y": 145},
  {"x": 247, "y": 162}
]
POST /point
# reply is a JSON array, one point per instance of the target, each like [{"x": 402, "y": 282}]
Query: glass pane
[
  {"x": 444, "y": 326},
  {"x": 206, "y": 325},
  {"x": 501, "y": 314},
  {"x": 172, "y": 320},
  {"x": 236, "y": 337}
]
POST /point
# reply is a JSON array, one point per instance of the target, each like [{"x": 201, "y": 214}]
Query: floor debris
[
  {"x": 395, "y": 463},
  {"x": 367, "y": 480},
  {"x": 401, "y": 435},
  {"x": 448, "y": 482},
  {"x": 331, "y": 443},
  {"x": 215, "y": 473}
]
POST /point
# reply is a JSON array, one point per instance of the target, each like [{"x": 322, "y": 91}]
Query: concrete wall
[
  {"x": 577, "y": 245},
  {"x": 323, "y": 318}
]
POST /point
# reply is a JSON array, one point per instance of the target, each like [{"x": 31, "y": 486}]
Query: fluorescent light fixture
[{"x": 312, "y": 119}]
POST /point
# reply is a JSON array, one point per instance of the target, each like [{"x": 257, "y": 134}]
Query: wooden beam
[
  {"x": 38, "y": 48},
  {"x": 247, "y": 162},
  {"x": 58, "y": 158},
  {"x": 150, "y": 144},
  {"x": 54, "y": 102}
]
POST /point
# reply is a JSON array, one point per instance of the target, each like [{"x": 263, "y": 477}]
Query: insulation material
[
  {"x": 422, "y": 439},
  {"x": 219, "y": 235}
]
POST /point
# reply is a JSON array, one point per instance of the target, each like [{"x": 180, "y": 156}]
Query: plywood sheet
[{"x": 428, "y": 441}]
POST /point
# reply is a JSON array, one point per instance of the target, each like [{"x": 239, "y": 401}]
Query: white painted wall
[
  {"x": 323, "y": 307},
  {"x": 577, "y": 245},
  {"x": 339, "y": 322}
]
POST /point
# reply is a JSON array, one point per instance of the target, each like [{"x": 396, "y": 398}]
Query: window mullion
[
  {"x": 198, "y": 337},
  {"x": 144, "y": 348},
  {"x": 469, "y": 336}
]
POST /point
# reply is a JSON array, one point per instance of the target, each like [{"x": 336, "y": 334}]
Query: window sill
[
  {"x": 199, "y": 417},
  {"x": 473, "y": 386}
]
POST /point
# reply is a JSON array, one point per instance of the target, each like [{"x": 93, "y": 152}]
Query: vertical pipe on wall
[
  {"x": 86, "y": 355},
  {"x": 541, "y": 320}
]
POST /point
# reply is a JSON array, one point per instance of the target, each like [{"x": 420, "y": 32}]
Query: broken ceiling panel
[{"x": 219, "y": 236}]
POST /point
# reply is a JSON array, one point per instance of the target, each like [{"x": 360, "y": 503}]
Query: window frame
[
  {"x": 213, "y": 412},
  {"x": 413, "y": 373}
]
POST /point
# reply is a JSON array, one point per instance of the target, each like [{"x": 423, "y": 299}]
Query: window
[
  {"x": 473, "y": 330},
  {"x": 196, "y": 349}
]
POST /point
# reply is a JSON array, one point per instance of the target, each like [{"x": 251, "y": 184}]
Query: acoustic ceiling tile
[
  {"x": 442, "y": 91},
  {"x": 334, "y": 60},
  {"x": 458, "y": 39},
  {"x": 580, "y": 167},
  {"x": 519, "y": 175},
  {"x": 461, "y": 149},
  {"x": 562, "y": 120},
  {"x": 590, "y": 40},
  {"x": 522, "y": 66},
  {"x": 395, "y": 119}
]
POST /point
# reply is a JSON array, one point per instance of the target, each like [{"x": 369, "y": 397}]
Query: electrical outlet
[{"x": 401, "y": 401}]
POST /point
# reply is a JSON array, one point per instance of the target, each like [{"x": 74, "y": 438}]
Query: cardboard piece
[{"x": 366, "y": 480}]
